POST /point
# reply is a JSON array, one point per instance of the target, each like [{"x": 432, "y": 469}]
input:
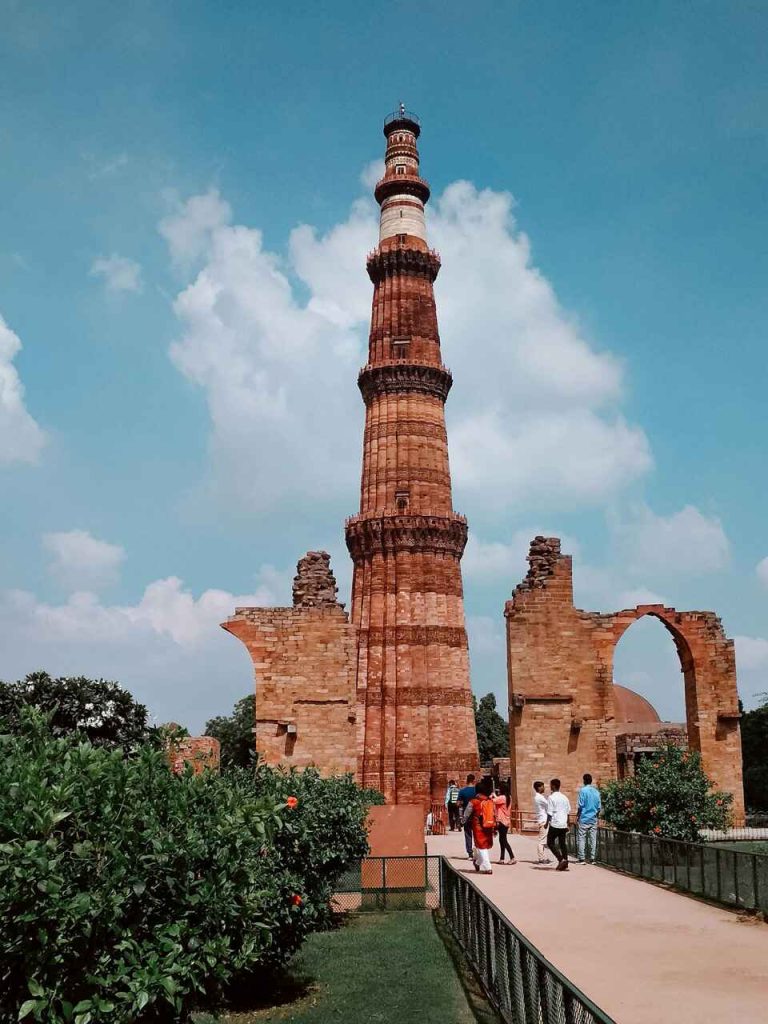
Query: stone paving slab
[{"x": 641, "y": 953}]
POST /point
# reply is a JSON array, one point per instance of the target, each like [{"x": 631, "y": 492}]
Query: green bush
[
  {"x": 130, "y": 894},
  {"x": 324, "y": 833},
  {"x": 669, "y": 796}
]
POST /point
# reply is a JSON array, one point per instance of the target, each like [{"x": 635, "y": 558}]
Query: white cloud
[
  {"x": 762, "y": 571},
  {"x": 639, "y": 595},
  {"x": 169, "y": 639},
  {"x": 751, "y": 653},
  {"x": 533, "y": 416},
  {"x": 684, "y": 542},
  {"x": 189, "y": 228},
  {"x": 371, "y": 174},
  {"x": 484, "y": 561},
  {"x": 81, "y": 561},
  {"x": 119, "y": 273},
  {"x": 21, "y": 439}
]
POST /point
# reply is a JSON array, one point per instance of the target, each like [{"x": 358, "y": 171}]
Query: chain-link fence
[
  {"x": 521, "y": 984},
  {"x": 735, "y": 878},
  {"x": 389, "y": 883}
]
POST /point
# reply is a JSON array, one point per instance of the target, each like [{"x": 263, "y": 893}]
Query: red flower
[
  {"x": 657, "y": 829},
  {"x": 296, "y": 900},
  {"x": 291, "y": 802}
]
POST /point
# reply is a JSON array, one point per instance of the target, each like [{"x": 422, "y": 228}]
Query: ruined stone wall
[
  {"x": 560, "y": 670},
  {"x": 200, "y": 752},
  {"x": 305, "y": 661}
]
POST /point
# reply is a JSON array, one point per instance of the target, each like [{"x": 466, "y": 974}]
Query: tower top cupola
[{"x": 402, "y": 192}]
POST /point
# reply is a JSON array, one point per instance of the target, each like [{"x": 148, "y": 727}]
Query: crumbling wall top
[
  {"x": 543, "y": 556},
  {"x": 314, "y": 584}
]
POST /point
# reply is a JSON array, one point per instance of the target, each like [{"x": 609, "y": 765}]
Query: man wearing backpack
[
  {"x": 452, "y": 805},
  {"x": 465, "y": 795},
  {"x": 480, "y": 815}
]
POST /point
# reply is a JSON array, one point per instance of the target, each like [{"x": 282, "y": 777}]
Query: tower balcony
[
  {"x": 402, "y": 184},
  {"x": 382, "y": 263},
  {"x": 403, "y": 120}
]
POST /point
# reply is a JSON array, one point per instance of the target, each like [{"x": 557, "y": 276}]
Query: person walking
[
  {"x": 452, "y": 805},
  {"x": 481, "y": 818},
  {"x": 558, "y": 809},
  {"x": 502, "y": 802},
  {"x": 466, "y": 793},
  {"x": 540, "y": 812},
  {"x": 587, "y": 812}
]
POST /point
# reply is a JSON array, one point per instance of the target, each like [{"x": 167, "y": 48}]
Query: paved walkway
[{"x": 641, "y": 953}]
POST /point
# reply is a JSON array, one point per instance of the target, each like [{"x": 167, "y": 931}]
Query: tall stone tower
[{"x": 415, "y": 719}]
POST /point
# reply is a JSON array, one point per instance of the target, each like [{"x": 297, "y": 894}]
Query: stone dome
[{"x": 631, "y": 707}]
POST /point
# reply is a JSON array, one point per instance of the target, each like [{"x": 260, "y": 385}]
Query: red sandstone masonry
[
  {"x": 305, "y": 660},
  {"x": 416, "y": 723},
  {"x": 560, "y": 669}
]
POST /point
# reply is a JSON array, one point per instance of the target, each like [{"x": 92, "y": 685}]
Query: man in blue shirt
[
  {"x": 586, "y": 820},
  {"x": 466, "y": 793}
]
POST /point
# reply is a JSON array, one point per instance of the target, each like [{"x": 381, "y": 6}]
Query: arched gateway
[{"x": 562, "y": 701}]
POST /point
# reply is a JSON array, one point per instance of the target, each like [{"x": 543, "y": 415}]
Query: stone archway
[{"x": 560, "y": 665}]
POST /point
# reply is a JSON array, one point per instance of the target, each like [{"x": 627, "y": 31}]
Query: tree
[
  {"x": 669, "y": 796},
  {"x": 235, "y": 734},
  {"x": 492, "y": 730},
  {"x": 754, "y": 748},
  {"x": 106, "y": 713}
]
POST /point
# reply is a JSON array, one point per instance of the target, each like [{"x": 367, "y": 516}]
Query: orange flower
[
  {"x": 296, "y": 900},
  {"x": 291, "y": 802}
]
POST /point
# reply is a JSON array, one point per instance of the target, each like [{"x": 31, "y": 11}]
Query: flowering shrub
[
  {"x": 322, "y": 831},
  {"x": 128, "y": 893},
  {"x": 669, "y": 796},
  {"x": 102, "y": 711}
]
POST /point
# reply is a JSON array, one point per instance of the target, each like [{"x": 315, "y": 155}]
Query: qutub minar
[
  {"x": 414, "y": 695},
  {"x": 386, "y": 693}
]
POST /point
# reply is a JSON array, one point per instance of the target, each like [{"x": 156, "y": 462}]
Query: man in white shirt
[
  {"x": 558, "y": 809},
  {"x": 540, "y": 811}
]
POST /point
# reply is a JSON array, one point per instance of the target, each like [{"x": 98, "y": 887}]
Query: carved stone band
[
  {"x": 449, "y": 636},
  {"x": 382, "y": 534},
  {"x": 391, "y": 378},
  {"x": 419, "y": 762},
  {"x": 396, "y": 262},
  {"x": 415, "y": 696}
]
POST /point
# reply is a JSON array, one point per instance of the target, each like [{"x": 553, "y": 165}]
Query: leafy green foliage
[
  {"x": 670, "y": 796},
  {"x": 235, "y": 734},
  {"x": 128, "y": 893},
  {"x": 754, "y": 747},
  {"x": 492, "y": 729},
  {"x": 102, "y": 711}
]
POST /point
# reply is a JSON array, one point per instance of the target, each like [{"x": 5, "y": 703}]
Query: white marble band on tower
[{"x": 402, "y": 215}]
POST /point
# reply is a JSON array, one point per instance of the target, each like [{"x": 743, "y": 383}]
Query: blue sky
[{"x": 186, "y": 211}]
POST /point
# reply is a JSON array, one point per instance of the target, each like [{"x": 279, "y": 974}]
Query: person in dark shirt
[{"x": 466, "y": 793}]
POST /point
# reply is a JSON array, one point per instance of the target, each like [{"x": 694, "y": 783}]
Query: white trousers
[{"x": 482, "y": 859}]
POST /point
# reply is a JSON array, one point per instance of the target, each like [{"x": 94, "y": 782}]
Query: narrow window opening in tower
[
  {"x": 401, "y": 347},
  {"x": 402, "y": 499},
  {"x": 401, "y": 238},
  {"x": 400, "y": 168}
]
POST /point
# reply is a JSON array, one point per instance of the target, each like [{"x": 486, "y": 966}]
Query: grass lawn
[
  {"x": 744, "y": 845},
  {"x": 375, "y": 967}
]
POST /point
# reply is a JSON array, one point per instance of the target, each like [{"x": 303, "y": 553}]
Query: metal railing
[
  {"x": 735, "y": 878},
  {"x": 522, "y": 985},
  {"x": 389, "y": 883}
]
